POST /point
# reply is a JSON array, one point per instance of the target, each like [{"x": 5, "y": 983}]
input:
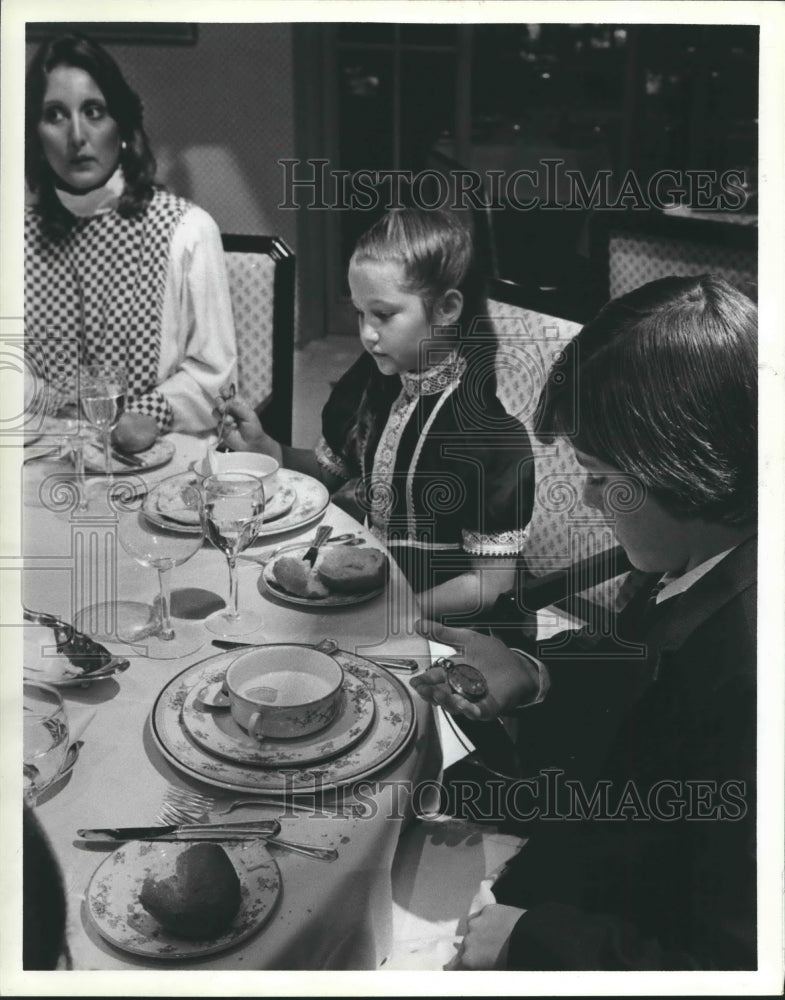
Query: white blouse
[{"x": 198, "y": 347}]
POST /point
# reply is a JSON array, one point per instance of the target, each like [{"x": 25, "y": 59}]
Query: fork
[
  {"x": 186, "y": 806},
  {"x": 264, "y": 557}
]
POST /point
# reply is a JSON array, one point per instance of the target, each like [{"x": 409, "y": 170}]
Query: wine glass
[
  {"x": 45, "y": 727},
  {"x": 232, "y": 512},
  {"x": 71, "y": 432},
  {"x": 161, "y": 544},
  {"x": 102, "y": 393}
]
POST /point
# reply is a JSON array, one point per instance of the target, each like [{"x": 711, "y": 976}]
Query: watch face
[{"x": 467, "y": 681}]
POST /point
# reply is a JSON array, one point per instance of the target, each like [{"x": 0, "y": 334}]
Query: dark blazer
[{"x": 660, "y": 721}]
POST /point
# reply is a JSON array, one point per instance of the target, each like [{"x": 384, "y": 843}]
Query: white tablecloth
[{"x": 330, "y": 916}]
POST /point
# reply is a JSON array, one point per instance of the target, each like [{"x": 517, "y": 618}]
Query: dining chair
[
  {"x": 261, "y": 273},
  {"x": 570, "y": 557},
  {"x": 647, "y": 246}
]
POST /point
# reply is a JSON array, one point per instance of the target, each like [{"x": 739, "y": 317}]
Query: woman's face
[
  {"x": 80, "y": 139},
  {"x": 654, "y": 540}
]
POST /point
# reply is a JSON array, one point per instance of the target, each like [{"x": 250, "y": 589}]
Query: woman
[
  {"x": 640, "y": 746},
  {"x": 117, "y": 270}
]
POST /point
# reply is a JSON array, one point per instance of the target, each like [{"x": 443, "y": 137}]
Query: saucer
[{"x": 215, "y": 730}]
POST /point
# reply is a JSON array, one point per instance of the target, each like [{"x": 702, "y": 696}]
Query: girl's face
[
  {"x": 654, "y": 540},
  {"x": 80, "y": 139},
  {"x": 393, "y": 322}
]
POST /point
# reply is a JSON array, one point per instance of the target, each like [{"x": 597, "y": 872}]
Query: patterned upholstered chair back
[
  {"x": 563, "y": 529},
  {"x": 637, "y": 258},
  {"x": 260, "y": 270}
]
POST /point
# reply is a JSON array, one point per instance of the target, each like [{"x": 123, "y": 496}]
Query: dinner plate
[
  {"x": 159, "y": 454},
  {"x": 330, "y": 601},
  {"x": 216, "y": 731},
  {"x": 164, "y": 507},
  {"x": 42, "y": 662},
  {"x": 392, "y": 728},
  {"x": 113, "y": 898},
  {"x": 312, "y": 498}
]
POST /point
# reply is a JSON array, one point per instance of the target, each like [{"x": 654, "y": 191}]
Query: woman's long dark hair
[
  {"x": 662, "y": 385},
  {"x": 124, "y": 106}
]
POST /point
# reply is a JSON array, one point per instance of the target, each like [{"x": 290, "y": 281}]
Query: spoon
[{"x": 231, "y": 393}]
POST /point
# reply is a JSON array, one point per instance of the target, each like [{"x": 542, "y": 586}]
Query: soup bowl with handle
[{"x": 283, "y": 690}]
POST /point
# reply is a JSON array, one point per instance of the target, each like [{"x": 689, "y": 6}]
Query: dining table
[{"x": 326, "y": 916}]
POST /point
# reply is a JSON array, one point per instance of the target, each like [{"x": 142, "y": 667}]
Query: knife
[
  {"x": 124, "y": 459},
  {"x": 215, "y": 831},
  {"x": 323, "y": 532},
  {"x": 403, "y": 663}
]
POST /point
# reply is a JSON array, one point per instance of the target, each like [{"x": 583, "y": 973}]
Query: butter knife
[
  {"x": 406, "y": 664},
  {"x": 265, "y": 830},
  {"x": 123, "y": 459},
  {"x": 197, "y": 831},
  {"x": 323, "y": 532}
]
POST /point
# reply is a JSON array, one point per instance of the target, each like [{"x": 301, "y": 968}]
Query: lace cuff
[
  {"x": 328, "y": 460},
  {"x": 502, "y": 543}
]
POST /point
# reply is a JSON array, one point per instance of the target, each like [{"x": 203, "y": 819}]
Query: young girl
[
  {"x": 658, "y": 395},
  {"x": 440, "y": 471}
]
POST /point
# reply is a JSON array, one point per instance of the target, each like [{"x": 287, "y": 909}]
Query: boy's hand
[{"x": 511, "y": 680}]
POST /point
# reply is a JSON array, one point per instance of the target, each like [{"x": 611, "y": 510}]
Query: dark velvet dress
[{"x": 441, "y": 472}]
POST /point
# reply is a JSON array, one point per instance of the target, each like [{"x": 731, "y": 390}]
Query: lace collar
[
  {"x": 96, "y": 202},
  {"x": 435, "y": 379}
]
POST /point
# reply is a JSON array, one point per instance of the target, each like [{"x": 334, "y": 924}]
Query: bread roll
[
  {"x": 201, "y": 899},
  {"x": 348, "y": 570},
  {"x": 297, "y": 577}
]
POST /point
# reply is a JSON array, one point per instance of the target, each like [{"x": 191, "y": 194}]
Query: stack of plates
[
  {"x": 375, "y": 722},
  {"x": 293, "y": 501}
]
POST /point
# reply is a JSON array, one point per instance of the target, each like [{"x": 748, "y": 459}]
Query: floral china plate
[
  {"x": 113, "y": 898},
  {"x": 216, "y": 731},
  {"x": 165, "y": 506},
  {"x": 392, "y": 728}
]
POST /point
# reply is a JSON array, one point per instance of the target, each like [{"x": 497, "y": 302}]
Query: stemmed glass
[
  {"x": 232, "y": 513},
  {"x": 72, "y": 445},
  {"x": 102, "y": 394},
  {"x": 148, "y": 539},
  {"x": 45, "y": 727}
]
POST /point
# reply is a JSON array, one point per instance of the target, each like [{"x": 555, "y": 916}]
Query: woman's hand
[
  {"x": 512, "y": 680},
  {"x": 134, "y": 432},
  {"x": 242, "y": 430},
  {"x": 487, "y": 939}
]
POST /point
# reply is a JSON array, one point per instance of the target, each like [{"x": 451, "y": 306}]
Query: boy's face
[
  {"x": 392, "y": 321},
  {"x": 655, "y": 541}
]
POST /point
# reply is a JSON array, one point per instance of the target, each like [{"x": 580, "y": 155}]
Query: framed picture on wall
[{"x": 124, "y": 32}]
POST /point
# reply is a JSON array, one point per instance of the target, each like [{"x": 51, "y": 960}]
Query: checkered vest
[{"x": 96, "y": 297}]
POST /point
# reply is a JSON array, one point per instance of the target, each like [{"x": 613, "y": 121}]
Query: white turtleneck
[{"x": 96, "y": 202}]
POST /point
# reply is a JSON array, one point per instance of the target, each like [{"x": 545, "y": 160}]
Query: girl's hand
[
  {"x": 487, "y": 939},
  {"x": 134, "y": 432},
  {"x": 242, "y": 430},
  {"x": 511, "y": 680}
]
